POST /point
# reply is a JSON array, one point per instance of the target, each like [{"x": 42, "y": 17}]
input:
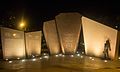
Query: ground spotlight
[
  {"x": 78, "y": 54},
  {"x": 34, "y": 59},
  {"x": 10, "y": 61},
  {"x": 23, "y": 60},
  {"x": 40, "y": 57},
  {"x": 44, "y": 53},
  {"x": 119, "y": 58},
  {"x": 56, "y": 55},
  {"x": 18, "y": 58},
  {"x": 81, "y": 56},
  {"x": 71, "y": 55},
  {"x": 82, "y": 52},
  {"x": 6, "y": 59},
  {"x": 46, "y": 57},
  {"x": 93, "y": 59},
  {"x": 90, "y": 57},
  {"x": 33, "y": 56},
  {"x": 63, "y": 55},
  {"x": 60, "y": 54},
  {"x": 105, "y": 61}
]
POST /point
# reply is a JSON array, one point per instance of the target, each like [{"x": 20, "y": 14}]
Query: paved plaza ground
[{"x": 61, "y": 63}]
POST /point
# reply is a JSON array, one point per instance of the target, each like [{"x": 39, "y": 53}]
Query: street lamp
[{"x": 22, "y": 26}]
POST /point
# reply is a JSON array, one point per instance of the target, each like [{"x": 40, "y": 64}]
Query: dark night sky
[{"x": 38, "y": 11}]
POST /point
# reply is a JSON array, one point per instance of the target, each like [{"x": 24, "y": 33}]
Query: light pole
[{"x": 22, "y": 26}]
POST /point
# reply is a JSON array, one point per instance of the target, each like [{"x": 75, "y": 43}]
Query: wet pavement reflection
[{"x": 61, "y": 63}]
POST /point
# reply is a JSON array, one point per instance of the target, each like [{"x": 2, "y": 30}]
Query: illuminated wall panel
[
  {"x": 95, "y": 35},
  {"x": 69, "y": 25},
  {"x": 33, "y": 43},
  {"x": 12, "y": 43},
  {"x": 51, "y": 36}
]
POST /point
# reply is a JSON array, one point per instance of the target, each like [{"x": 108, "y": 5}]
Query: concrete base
[{"x": 67, "y": 63}]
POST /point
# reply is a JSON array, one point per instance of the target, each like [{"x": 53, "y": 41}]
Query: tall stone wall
[
  {"x": 13, "y": 45},
  {"x": 69, "y": 26},
  {"x": 95, "y": 36},
  {"x": 33, "y": 43},
  {"x": 51, "y": 36}
]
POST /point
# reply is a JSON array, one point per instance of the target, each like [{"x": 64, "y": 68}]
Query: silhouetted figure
[{"x": 106, "y": 49}]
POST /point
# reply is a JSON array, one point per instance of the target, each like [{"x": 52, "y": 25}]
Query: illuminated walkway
[{"x": 61, "y": 63}]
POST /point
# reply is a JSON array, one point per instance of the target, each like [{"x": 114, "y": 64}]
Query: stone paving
[{"x": 61, "y": 63}]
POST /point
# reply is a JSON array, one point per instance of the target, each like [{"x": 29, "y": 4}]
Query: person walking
[{"x": 107, "y": 48}]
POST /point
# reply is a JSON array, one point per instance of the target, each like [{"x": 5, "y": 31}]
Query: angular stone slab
[
  {"x": 13, "y": 44},
  {"x": 51, "y": 36},
  {"x": 69, "y": 26},
  {"x": 33, "y": 43},
  {"x": 95, "y": 35}
]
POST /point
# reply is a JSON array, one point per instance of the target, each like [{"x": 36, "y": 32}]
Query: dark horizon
[{"x": 36, "y": 12}]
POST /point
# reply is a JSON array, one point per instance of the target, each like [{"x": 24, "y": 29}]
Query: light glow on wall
[
  {"x": 51, "y": 37},
  {"x": 95, "y": 34},
  {"x": 69, "y": 26},
  {"x": 33, "y": 43},
  {"x": 12, "y": 43},
  {"x": 14, "y": 34}
]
